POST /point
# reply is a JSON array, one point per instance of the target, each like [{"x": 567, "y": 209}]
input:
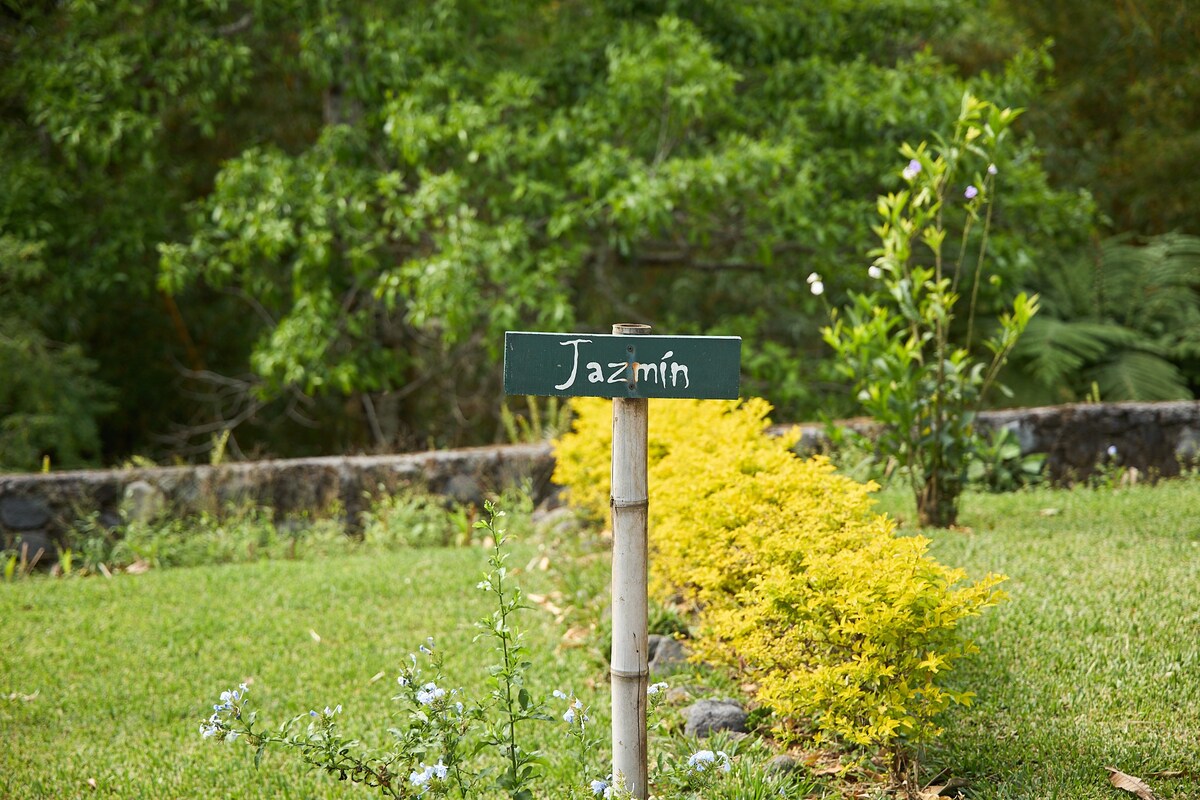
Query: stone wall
[
  {"x": 35, "y": 510},
  {"x": 1154, "y": 438}
]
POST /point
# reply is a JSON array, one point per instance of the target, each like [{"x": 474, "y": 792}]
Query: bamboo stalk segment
[{"x": 630, "y": 504}]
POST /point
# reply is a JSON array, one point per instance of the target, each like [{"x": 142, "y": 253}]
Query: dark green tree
[
  {"x": 1122, "y": 115},
  {"x": 311, "y": 222}
]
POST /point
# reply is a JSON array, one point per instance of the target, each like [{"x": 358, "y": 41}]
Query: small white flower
[
  {"x": 483, "y": 585},
  {"x": 440, "y": 770},
  {"x": 655, "y": 688},
  {"x": 817, "y": 288},
  {"x": 813, "y": 278},
  {"x": 1112, "y": 450},
  {"x": 421, "y": 778},
  {"x": 726, "y": 765},
  {"x": 912, "y": 170},
  {"x": 700, "y": 760},
  {"x": 992, "y": 169},
  {"x": 429, "y": 694},
  {"x": 875, "y": 272},
  {"x": 569, "y": 717},
  {"x": 560, "y": 694},
  {"x": 599, "y": 787},
  {"x": 402, "y": 680}
]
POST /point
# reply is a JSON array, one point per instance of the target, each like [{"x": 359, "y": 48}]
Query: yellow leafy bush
[{"x": 845, "y": 627}]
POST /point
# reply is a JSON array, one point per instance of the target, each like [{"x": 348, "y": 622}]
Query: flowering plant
[
  {"x": 431, "y": 752},
  {"x": 439, "y": 745},
  {"x": 905, "y": 347}
]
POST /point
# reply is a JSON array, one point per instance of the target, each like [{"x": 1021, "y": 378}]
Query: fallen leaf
[
  {"x": 92, "y": 782},
  {"x": 1168, "y": 773},
  {"x": 546, "y": 603},
  {"x": 948, "y": 789},
  {"x": 577, "y": 635},
  {"x": 1049, "y": 512},
  {"x": 378, "y": 676},
  {"x": 1129, "y": 783},
  {"x": 138, "y": 567},
  {"x": 316, "y": 637}
]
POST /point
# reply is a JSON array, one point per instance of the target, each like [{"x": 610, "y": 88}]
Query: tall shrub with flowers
[{"x": 913, "y": 360}]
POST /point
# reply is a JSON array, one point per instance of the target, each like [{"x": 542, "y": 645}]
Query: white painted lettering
[
  {"x": 675, "y": 370},
  {"x": 574, "y": 361},
  {"x": 616, "y": 377},
  {"x": 595, "y": 374},
  {"x": 643, "y": 371}
]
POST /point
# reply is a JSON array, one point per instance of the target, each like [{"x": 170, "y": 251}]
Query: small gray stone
[
  {"x": 666, "y": 654},
  {"x": 142, "y": 502},
  {"x": 707, "y": 716},
  {"x": 464, "y": 489},
  {"x": 23, "y": 513}
]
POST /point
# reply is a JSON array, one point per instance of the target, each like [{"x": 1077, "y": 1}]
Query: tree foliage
[
  {"x": 1122, "y": 115},
  {"x": 312, "y": 221}
]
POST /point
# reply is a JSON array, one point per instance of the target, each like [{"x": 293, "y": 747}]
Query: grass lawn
[
  {"x": 124, "y": 670},
  {"x": 1094, "y": 662}
]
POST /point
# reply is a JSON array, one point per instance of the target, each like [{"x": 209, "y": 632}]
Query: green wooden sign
[{"x": 607, "y": 365}]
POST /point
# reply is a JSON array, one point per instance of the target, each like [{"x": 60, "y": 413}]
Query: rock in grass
[
  {"x": 666, "y": 654},
  {"x": 708, "y": 716}
]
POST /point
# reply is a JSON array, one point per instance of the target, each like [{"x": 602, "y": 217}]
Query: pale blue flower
[
  {"x": 992, "y": 169},
  {"x": 912, "y": 170},
  {"x": 700, "y": 760},
  {"x": 429, "y": 694},
  {"x": 655, "y": 688},
  {"x": 560, "y": 694},
  {"x": 210, "y": 728},
  {"x": 875, "y": 272},
  {"x": 599, "y": 787},
  {"x": 440, "y": 770},
  {"x": 1112, "y": 451},
  {"x": 421, "y": 778},
  {"x": 971, "y": 193},
  {"x": 569, "y": 717}
]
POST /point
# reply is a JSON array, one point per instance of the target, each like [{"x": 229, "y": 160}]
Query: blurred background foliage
[{"x": 310, "y": 222}]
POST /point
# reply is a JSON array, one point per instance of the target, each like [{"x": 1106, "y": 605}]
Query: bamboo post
[{"x": 630, "y": 503}]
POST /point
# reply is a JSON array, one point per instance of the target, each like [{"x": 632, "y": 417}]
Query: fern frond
[
  {"x": 1054, "y": 349},
  {"x": 1135, "y": 375}
]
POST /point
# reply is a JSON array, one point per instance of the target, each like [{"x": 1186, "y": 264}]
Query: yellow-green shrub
[{"x": 845, "y": 627}]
